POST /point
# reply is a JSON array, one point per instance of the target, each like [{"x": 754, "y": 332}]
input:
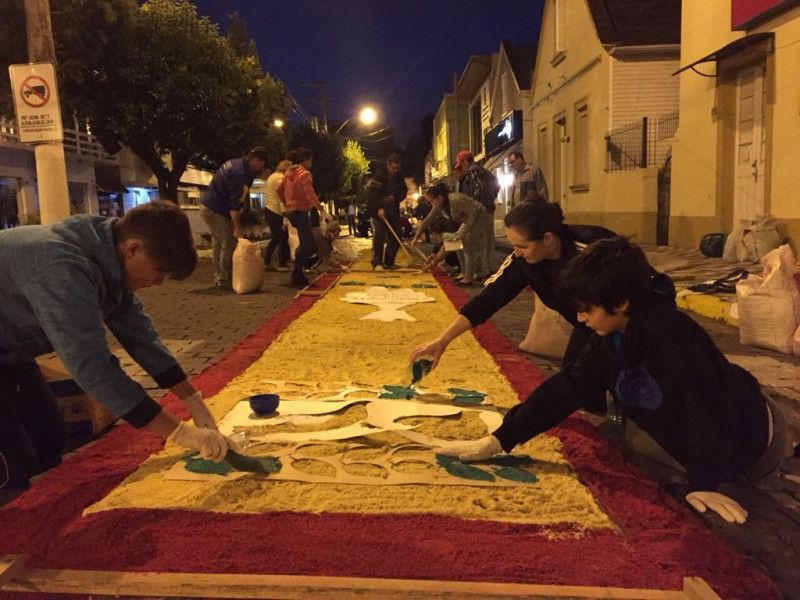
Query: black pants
[
  {"x": 32, "y": 429},
  {"x": 278, "y": 238},
  {"x": 384, "y": 244},
  {"x": 300, "y": 221}
]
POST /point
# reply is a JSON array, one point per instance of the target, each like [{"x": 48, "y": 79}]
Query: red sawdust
[{"x": 658, "y": 542}]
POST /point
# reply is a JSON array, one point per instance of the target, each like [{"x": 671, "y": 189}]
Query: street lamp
[
  {"x": 367, "y": 115},
  {"x": 278, "y": 123}
]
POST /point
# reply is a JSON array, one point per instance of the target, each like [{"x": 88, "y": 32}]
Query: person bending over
[
  {"x": 543, "y": 245},
  {"x": 59, "y": 285},
  {"x": 664, "y": 373}
]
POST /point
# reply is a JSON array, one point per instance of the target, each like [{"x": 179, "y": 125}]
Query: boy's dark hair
[
  {"x": 166, "y": 234},
  {"x": 517, "y": 154},
  {"x": 608, "y": 273},
  {"x": 300, "y": 155},
  {"x": 440, "y": 189},
  {"x": 394, "y": 158},
  {"x": 534, "y": 219},
  {"x": 260, "y": 153}
]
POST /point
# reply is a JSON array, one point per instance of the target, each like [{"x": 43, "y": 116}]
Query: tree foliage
[
  {"x": 355, "y": 166},
  {"x": 157, "y": 78}
]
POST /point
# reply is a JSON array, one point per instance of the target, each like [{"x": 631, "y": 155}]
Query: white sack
[
  {"x": 548, "y": 332},
  {"x": 769, "y": 305},
  {"x": 248, "y": 267}
]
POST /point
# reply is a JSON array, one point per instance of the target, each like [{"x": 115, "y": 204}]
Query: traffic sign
[{"x": 36, "y": 102}]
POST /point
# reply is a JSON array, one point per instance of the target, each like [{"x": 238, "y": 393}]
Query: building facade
[
  {"x": 603, "y": 108},
  {"x": 735, "y": 153}
]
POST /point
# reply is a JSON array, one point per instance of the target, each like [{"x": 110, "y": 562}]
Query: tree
[
  {"x": 355, "y": 166},
  {"x": 328, "y": 160}
]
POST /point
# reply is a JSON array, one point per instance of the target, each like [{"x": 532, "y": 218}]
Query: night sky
[{"x": 399, "y": 55}]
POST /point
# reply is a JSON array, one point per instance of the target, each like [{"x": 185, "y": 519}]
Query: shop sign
[{"x": 507, "y": 132}]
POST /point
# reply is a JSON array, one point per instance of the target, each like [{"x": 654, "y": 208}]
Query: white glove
[
  {"x": 211, "y": 445},
  {"x": 201, "y": 416},
  {"x": 481, "y": 449},
  {"x": 725, "y": 507}
]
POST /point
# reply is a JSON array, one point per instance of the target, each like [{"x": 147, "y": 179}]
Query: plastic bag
[
  {"x": 769, "y": 305},
  {"x": 548, "y": 332},
  {"x": 248, "y": 267}
]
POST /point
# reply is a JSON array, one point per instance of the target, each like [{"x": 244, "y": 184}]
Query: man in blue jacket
[
  {"x": 59, "y": 284},
  {"x": 222, "y": 207}
]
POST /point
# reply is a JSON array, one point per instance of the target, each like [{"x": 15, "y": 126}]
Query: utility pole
[
  {"x": 51, "y": 166},
  {"x": 321, "y": 97}
]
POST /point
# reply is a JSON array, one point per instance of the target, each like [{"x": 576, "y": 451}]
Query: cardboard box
[{"x": 85, "y": 416}]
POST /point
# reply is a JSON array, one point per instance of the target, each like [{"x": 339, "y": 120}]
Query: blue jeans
[
  {"x": 384, "y": 244},
  {"x": 299, "y": 220}
]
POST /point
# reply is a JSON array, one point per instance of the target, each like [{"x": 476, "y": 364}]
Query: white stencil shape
[{"x": 389, "y": 302}]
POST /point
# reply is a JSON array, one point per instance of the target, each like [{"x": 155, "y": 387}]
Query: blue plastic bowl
[{"x": 264, "y": 404}]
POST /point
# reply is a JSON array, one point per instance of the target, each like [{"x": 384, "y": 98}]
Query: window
[
  {"x": 475, "y": 127},
  {"x": 580, "y": 173},
  {"x": 559, "y": 32}
]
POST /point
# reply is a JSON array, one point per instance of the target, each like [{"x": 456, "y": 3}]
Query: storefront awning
[{"x": 765, "y": 39}]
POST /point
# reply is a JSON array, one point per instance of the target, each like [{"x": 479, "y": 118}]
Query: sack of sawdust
[
  {"x": 294, "y": 239},
  {"x": 248, "y": 267},
  {"x": 769, "y": 305},
  {"x": 752, "y": 239},
  {"x": 548, "y": 332}
]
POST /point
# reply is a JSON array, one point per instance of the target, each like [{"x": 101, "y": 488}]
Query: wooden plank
[
  {"x": 695, "y": 588},
  {"x": 11, "y": 566},
  {"x": 289, "y": 587}
]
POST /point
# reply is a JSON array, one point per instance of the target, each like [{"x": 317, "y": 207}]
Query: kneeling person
[{"x": 665, "y": 374}]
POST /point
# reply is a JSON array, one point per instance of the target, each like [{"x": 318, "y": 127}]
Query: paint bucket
[{"x": 264, "y": 404}]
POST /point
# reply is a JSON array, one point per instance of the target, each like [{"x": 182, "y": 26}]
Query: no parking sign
[{"x": 36, "y": 102}]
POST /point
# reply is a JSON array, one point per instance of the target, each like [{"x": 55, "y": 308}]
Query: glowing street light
[
  {"x": 368, "y": 115},
  {"x": 278, "y": 123}
]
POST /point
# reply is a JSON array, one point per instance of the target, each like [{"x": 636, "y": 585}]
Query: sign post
[
  {"x": 36, "y": 103},
  {"x": 38, "y": 113}
]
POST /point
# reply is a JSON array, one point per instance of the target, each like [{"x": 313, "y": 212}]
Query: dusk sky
[{"x": 398, "y": 55}]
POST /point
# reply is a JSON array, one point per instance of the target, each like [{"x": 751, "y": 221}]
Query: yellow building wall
[
  {"x": 625, "y": 201},
  {"x": 703, "y": 152}
]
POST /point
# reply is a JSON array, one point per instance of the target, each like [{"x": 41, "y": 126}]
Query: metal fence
[
  {"x": 643, "y": 143},
  {"x": 75, "y": 142}
]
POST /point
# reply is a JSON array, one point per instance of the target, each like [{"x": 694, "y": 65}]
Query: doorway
[{"x": 751, "y": 143}]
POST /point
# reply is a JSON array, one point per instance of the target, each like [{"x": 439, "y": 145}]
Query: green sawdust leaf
[
  {"x": 263, "y": 465},
  {"x": 420, "y": 368},
  {"x": 462, "y": 393},
  {"x": 195, "y": 464},
  {"x": 514, "y": 474},
  {"x": 233, "y": 462},
  {"x": 352, "y": 282},
  {"x": 423, "y": 285},
  {"x": 511, "y": 460},
  {"x": 398, "y": 392},
  {"x": 457, "y": 468},
  {"x": 390, "y": 285}
]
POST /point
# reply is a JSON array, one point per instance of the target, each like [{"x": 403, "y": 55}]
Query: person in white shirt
[{"x": 275, "y": 213}]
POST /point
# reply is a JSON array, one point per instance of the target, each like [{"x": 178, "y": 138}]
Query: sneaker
[
  {"x": 269, "y": 268},
  {"x": 391, "y": 267},
  {"x": 282, "y": 268},
  {"x": 298, "y": 285},
  {"x": 377, "y": 267},
  {"x": 224, "y": 286}
]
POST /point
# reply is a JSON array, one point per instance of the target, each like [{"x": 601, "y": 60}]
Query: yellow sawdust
[{"x": 329, "y": 344}]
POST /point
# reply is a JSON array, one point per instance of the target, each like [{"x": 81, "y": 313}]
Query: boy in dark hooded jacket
[{"x": 665, "y": 374}]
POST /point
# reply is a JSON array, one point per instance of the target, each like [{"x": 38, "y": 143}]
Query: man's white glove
[
  {"x": 725, "y": 507},
  {"x": 201, "y": 416},
  {"x": 211, "y": 445},
  {"x": 481, "y": 449}
]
